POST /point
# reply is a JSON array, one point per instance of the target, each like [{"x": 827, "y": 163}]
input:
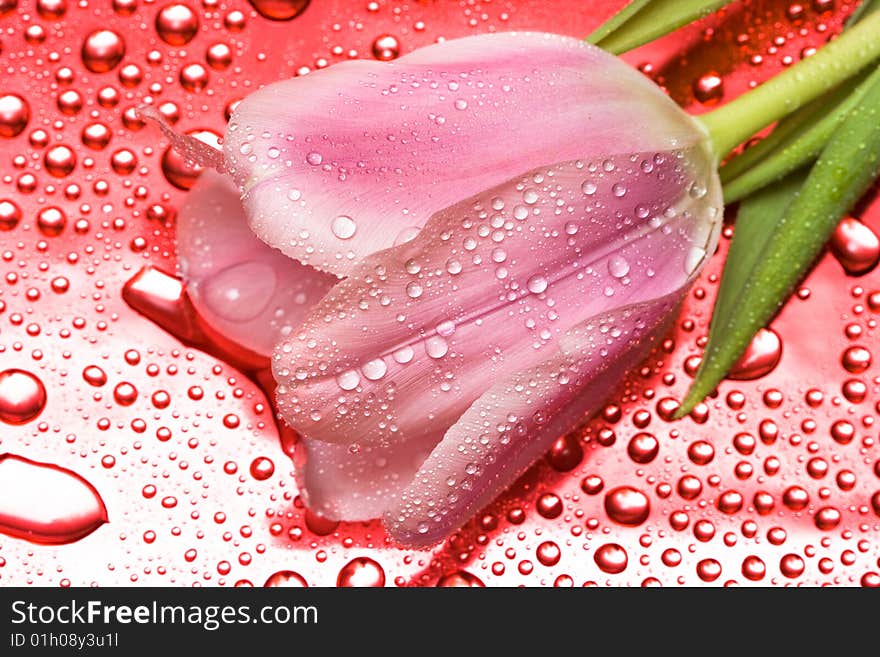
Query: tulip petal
[
  {"x": 517, "y": 420},
  {"x": 356, "y": 482},
  {"x": 246, "y": 290},
  {"x": 400, "y": 349},
  {"x": 354, "y": 158}
]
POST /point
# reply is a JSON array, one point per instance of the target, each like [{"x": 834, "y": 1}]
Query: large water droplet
[
  {"x": 102, "y": 51},
  {"x": 22, "y": 396},
  {"x": 14, "y": 115},
  {"x": 279, "y": 10},
  {"x": 361, "y": 572},
  {"x": 45, "y": 503},
  {"x": 343, "y": 227}
]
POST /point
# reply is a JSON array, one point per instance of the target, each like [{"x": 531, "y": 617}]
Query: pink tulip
[
  {"x": 246, "y": 290},
  {"x": 517, "y": 216}
]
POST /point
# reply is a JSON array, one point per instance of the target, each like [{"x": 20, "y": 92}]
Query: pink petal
[
  {"x": 250, "y": 293},
  {"x": 400, "y": 349},
  {"x": 514, "y": 422},
  {"x": 352, "y": 159},
  {"x": 356, "y": 482}
]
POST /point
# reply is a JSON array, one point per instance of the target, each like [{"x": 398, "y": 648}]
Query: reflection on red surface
[{"x": 776, "y": 480}]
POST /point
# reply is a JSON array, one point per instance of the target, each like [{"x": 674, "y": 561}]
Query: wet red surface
[{"x": 776, "y": 480}]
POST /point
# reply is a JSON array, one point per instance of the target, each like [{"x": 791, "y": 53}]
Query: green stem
[
  {"x": 733, "y": 123},
  {"x": 789, "y": 151},
  {"x": 789, "y": 128}
]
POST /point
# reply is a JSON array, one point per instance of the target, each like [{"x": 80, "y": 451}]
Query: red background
[{"x": 226, "y": 525}]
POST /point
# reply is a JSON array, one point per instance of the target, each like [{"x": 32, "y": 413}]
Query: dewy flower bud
[
  {"x": 441, "y": 368},
  {"x": 517, "y": 217}
]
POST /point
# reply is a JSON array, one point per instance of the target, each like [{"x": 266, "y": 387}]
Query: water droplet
[
  {"x": 51, "y": 221},
  {"x": 361, "y": 572},
  {"x": 709, "y": 88},
  {"x": 219, "y": 56},
  {"x": 856, "y": 359},
  {"x": 760, "y": 358},
  {"x": 59, "y": 161},
  {"x": 643, "y": 448},
  {"x": 193, "y": 77},
  {"x": 537, "y": 284},
  {"x": 618, "y": 266},
  {"x": 344, "y": 227},
  {"x": 286, "y": 579},
  {"x": 14, "y": 115},
  {"x": 753, "y": 568},
  {"x": 125, "y": 394},
  {"x": 374, "y": 369},
  {"x": 348, "y": 380},
  {"x": 460, "y": 579},
  {"x": 279, "y": 10},
  {"x": 102, "y": 51},
  {"x": 791, "y": 566},
  {"x": 566, "y": 453},
  {"x": 262, "y": 468},
  {"x": 386, "y": 47},
  {"x": 627, "y": 506},
  {"x": 22, "y": 396},
  {"x": 436, "y": 347},
  {"x": 94, "y": 376},
  {"x": 176, "y": 24},
  {"x": 45, "y": 503},
  {"x": 10, "y": 214},
  {"x": 708, "y": 570},
  {"x": 51, "y": 9},
  {"x": 611, "y": 558},
  {"x": 319, "y": 525},
  {"x": 855, "y": 246},
  {"x": 549, "y": 506},
  {"x": 701, "y": 452},
  {"x": 548, "y": 553}
]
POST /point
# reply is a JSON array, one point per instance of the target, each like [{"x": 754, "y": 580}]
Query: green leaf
[
  {"x": 756, "y": 221},
  {"x": 617, "y": 20},
  {"x": 861, "y": 11},
  {"x": 643, "y": 21},
  {"x": 760, "y": 284},
  {"x": 797, "y": 141}
]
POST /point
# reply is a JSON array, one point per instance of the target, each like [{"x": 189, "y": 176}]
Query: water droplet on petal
[
  {"x": 536, "y": 284},
  {"x": 344, "y": 227}
]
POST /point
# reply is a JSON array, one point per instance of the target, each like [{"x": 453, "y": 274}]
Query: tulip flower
[
  {"x": 516, "y": 218},
  {"x": 439, "y": 369}
]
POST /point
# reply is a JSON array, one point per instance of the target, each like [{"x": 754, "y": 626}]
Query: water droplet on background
[{"x": 45, "y": 503}]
